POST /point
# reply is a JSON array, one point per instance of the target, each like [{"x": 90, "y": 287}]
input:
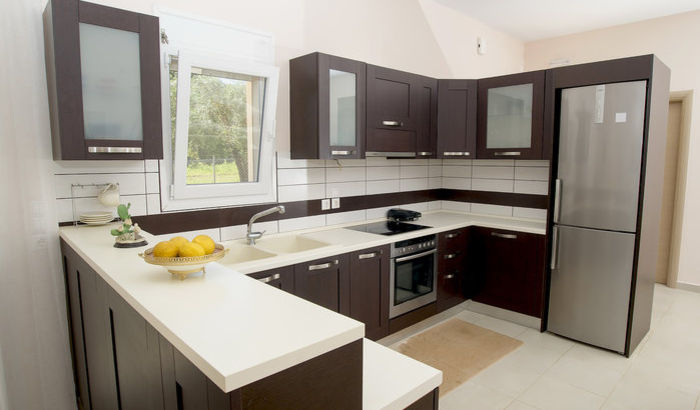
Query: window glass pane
[
  {"x": 111, "y": 81},
  {"x": 172, "y": 71},
  {"x": 509, "y": 117},
  {"x": 225, "y": 127},
  {"x": 342, "y": 108}
]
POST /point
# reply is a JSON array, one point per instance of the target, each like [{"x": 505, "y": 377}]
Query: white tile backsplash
[
  {"x": 456, "y": 206},
  {"x": 346, "y": 217},
  {"x": 129, "y": 184},
  {"x": 301, "y": 176},
  {"x": 340, "y": 189},
  {"x": 307, "y": 222},
  {"x": 494, "y": 162},
  {"x": 457, "y": 183},
  {"x": 290, "y": 193},
  {"x": 492, "y": 185},
  {"x": 152, "y": 204},
  {"x": 413, "y": 184},
  {"x": 488, "y": 209},
  {"x": 214, "y": 233},
  {"x": 532, "y": 173},
  {"x": 284, "y": 161},
  {"x": 531, "y": 187},
  {"x": 239, "y": 231},
  {"x": 345, "y": 174},
  {"x": 414, "y": 171},
  {"x": 532, "y": 213},
  {"x": 382, "y": 187},
  {"x": 97, "y": 167},
  {"x": 435, "y": 171},
  {"x": 152, "y": 183},
  {"x": 151, "y": 165},
  {"x": 379, "y": 173},
  {"x": 490, "y": 172}
]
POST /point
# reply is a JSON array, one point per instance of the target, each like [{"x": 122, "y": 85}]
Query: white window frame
[{"x": 179, "y": 195}]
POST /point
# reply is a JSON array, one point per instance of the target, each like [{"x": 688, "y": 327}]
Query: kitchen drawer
[
  {"x": 452, "y": 241},
  {"x": 281, "y": 278},
  {"x": 451, "y": 260}
]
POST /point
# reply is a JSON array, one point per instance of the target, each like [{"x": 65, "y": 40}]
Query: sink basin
[
  {"x": 289, "y": 244},
  {"x": 244, "y": 253}
]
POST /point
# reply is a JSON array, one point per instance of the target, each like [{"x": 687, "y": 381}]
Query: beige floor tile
[
  {"x": 548, "y": 393},
  {"x": 677, "y": 369},
  {"x": 473, "y": 396},
  {"x": 638, "y": 390},
  {"x": 545, "y": 340},
  {"x": 501, "y": 326},
  {"x": 585, "y": 374},
  {"x": 518, "y": 405},
  {"x": 599, "y": 357}
]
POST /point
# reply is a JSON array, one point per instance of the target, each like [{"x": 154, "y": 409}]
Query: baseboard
[
  {"x": 503, "y": 314},
  {"x": 688, "y": 286}
]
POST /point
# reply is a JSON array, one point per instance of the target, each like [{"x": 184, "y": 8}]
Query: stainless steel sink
[{"x": 289, "y": 244}]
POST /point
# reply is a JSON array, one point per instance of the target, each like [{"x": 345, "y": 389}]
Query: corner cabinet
[
  {"x": 456, "y": 119},
  {"x": 510, "y": 116},
  {"x": 103, "y": 75},
  {"x": 327, "y": 107}
]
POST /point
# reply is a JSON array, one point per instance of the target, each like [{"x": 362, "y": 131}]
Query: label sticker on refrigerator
[
  {"x": 599, "y": 104},
  {"x": 620, "y": 117}
]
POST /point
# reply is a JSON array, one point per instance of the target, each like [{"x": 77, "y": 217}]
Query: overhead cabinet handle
[
  {"x": 424, "y": 153},
  {"x": 367, "y": 255},
  {"x": 453, "y": 154},
  {"x": 114, "y": 150},
  {"x": 323, "y": 265},
  {"x": 389, "y": 123},
  {"x": 507, "y": 154},
  {"x": 504, "y": 235},
  {"x": 342, "y": 152},
  {"x": 268, "y": 279}
]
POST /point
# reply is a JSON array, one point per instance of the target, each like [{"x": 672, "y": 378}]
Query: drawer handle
[
  {"x": 424, "y": 153},
  {"x": 268, "y": 279},
  {"x": 114, "y": 150},
  {"x": 342, "y": 152},
  {"x": 367, "y": 255},
  {"x": 507, "y": 154},
  {"x": 450, "y": 276},
  {"x": 504, "y": 235},
  {"x": 466, "y": 154},
  {"x": 453, "y": 154},
  {"x": 452, "y": 235},
  {"x": 392, "y": 123},
  {"x": 451, "y": 255},
  {"x": 323, "y": 265}
]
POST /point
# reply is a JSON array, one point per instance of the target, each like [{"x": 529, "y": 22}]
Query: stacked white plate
[{"x": 96, "y": 218}]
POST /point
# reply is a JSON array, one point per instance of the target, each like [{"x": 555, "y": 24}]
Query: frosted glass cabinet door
[
  {"x": 342, "y": 108},
  {"x": 509, "y": 120},
  {"x": 111, "y": 82}
]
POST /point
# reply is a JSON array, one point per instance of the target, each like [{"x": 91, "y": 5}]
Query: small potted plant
[{"x": 127, "y": 234}]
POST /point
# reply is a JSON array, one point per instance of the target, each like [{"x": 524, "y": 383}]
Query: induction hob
[{"x": 387, "y": 228}]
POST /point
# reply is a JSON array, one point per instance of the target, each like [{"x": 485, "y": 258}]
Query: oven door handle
[{"x": 419, "y": 255}]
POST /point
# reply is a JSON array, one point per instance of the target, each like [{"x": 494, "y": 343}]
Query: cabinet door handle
[
  {"x": 450, "y": 276},
  {"x": 452, "y": 235},
  {"x": 424, "y": 153},
  {"x": 504, "y": 235},
  {"x": 367, "y": 255},
  {"x": 392, "y": 123},
  {"x": 507, "y": 154},
  {"x": 323, "y": 265},
  {"x": 342, "y": 152},
  {"x": 466, "y": 153},
  {"x": 268, "y": 279},
  {"x": 453, "y": 154},
  {"x": 451, "y": 255},
  {"x": 114, "y": 150}
]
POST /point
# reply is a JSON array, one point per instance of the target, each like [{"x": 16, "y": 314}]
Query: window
[{"x": 221, "y": 118}]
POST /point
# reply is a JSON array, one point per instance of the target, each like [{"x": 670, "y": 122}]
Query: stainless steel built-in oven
[{"x": 413, "y": 274}]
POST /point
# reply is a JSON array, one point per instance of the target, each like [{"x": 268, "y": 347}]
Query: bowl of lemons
[{"x": 182, "y": 257}]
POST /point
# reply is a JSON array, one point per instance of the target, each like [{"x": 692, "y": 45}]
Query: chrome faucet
[{"x": 252, "y": 236}]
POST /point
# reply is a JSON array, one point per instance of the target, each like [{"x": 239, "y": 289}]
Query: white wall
[{"x": 674, "y": 40}]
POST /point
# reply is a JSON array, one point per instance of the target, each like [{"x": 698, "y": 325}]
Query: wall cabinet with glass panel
[
  {"x": 327, "y": 107},
  {"x": 510, "y": 113},
  {"x": 102, "y": 68}
]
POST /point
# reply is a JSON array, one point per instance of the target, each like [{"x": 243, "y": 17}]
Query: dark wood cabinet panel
[
  {"x": 393, "y": 111},
  {"x": 426, "y": 143},
  {"x": 369, "y": 290},
  {"x": 324, "y": 282},
  {"x": 282, "y": 278},
  {"x": 504, "y": 115},
  {"x": 314, "y": 132},
  {"x": 508, "y": 270},
  {"x": 457, "y": 108},
  {"x": 62, "y": 19},
  {"x": 452, "y": 268}
]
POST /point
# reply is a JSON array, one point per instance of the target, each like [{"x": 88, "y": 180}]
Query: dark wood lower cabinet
[
  {"x": 369, "y": 290},
  {"x": 324, "y": 282},
  {"x": 452, "y": 254},
  {"x": 509, "y": 270},
  {"x": 281, "y": 278}
]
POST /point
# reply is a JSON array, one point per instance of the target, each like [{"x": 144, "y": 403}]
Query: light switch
[
  {"x": 325, "y": 204},
  {"x": 335, "y": 203}
]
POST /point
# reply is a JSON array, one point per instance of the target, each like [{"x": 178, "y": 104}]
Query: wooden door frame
[{"x": 685, "y": 98}]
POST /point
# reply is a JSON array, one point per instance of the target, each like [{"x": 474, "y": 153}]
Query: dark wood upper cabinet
[
  {"x": 103, "y": 75},
  {"x": 426, "y": 142},
  {"x": 369, "y": 290},
  {"x": 393, "y": 112},
  {"x": 510, "y": 115},
  {"x": 456, "y": 135},
  {"x": 324, "y": 282},
  {"x": 327, "y": 106}
]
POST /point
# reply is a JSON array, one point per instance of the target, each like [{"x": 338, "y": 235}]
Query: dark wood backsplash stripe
[{"x": 215, "y": 218}]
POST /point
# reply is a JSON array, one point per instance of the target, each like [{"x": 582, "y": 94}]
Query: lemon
[
  {"x": 191, "y": 249},
  {"x": 179, "y": 241},
  {"x": 165, "y": 249},
  {"x": 205, "y": 242}
]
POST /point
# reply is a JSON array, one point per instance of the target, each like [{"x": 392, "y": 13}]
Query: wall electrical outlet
[
  {"x": 335, "y": 203},
  {"x": 325, "y": 204}
]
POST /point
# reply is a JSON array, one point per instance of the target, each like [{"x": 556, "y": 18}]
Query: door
[
  {"x": 426, "y": 138},
  {"x": 590, "y": 285},
  {"x": 456, "y": 118},
  {"x": 600, "y": 155},
  {"x": 369, "y": 290},
  {"x": 323, "y": 282}
]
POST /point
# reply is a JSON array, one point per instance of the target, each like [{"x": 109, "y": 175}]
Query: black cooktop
[{"x": 387, "y": 228}]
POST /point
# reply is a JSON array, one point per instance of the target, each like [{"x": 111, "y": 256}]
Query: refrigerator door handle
[
  {"x": 557, "y": 200},
  {"x": 554, "y": 262}
]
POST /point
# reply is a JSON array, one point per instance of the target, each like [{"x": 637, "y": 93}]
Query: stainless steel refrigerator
[{"x": 597, "y": 187}]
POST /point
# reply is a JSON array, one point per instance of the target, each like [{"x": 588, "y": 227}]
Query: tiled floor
[{"x": 550, "y": 372}]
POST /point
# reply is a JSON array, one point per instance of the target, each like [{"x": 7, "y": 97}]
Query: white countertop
[
  {"x": 237, "y": 330},
  {"x": 394, "y": 381}
]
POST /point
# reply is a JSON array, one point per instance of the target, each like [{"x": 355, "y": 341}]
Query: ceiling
[{"x": 537, "y": 19}]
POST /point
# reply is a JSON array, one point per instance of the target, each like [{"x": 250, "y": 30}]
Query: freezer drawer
[
  {"x": 590, "y": 286},
  {"x": 600, "y": 155}
]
